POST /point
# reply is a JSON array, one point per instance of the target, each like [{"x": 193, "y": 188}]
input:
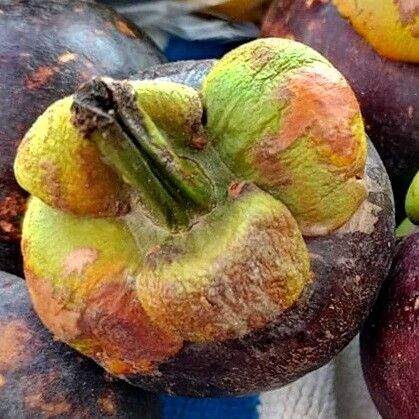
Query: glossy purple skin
[
  {"x": 47, "y": 48},
  {"x": 390, "y": 338},
  {"x": 41, "y": 378},
  {"x": 388, "y": 91}
]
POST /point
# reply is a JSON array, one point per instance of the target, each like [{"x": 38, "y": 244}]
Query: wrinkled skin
[
  {"x": 390, "y": 338},
  {"x": 42, "y": 378},
  {"x": 208, "y": 245},
  {"x": 375, "y": 46},
  {"x": 47, "y": 49}
]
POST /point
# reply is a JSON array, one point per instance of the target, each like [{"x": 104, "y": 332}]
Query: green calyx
[
  {"x": 152, "y": 154},
  {"x": 412, "y": 201},
  {"x": 188, "y": 227}
]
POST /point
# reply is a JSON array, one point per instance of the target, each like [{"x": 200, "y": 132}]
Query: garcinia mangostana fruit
[
  {"x": 375, "y": 44},
  {"x": 42, "y": 378},
  {"x": 47, "y": 48},
  {"x": 235, "y": 231},
  {"x": 390, "y": 338}
]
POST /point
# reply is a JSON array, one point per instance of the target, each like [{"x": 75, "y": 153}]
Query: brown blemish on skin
[
  {"x": 49, "y": 410},
  {"x": 67, "y": 57},
  {"x": 7, "y": 228},
  {"x": 111, "y": 198},
  {"x": 124, "y": 334},
  {"x": 235, "y": 189},
  {"x": 15, "y": 344},
  {"x": 124, "y": 28},
  {"x": 39, "y": 78},
  {"x": 2, "y": 380},
  {"x": 78, "y": 260},
  {"x": 86, "y": 196},
  {"x": 36, "y": 394},
  {"x": 245, "y": 290},
  {"x": 408, "y": 9},
  {"x": 261, "y": 56},
  {"x": 107, "y": 403},
  {"x": 266, "y": 158},
  {"x": 323, "y": 107},
  {"x": 51, "y": 181},
  {"x": 199, "y": 141},
  {"x": 318, "y": 106},
  {"x": 12, "y": 209},
  {"x": 63, "y": 322}
]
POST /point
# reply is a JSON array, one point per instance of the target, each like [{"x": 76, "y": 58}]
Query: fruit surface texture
[
  {"x": 41, "y": 378},
  {"x": 215, "y": 225},
  {"x": 375, "y": 45},
  {"x": 390, "y": 337}
]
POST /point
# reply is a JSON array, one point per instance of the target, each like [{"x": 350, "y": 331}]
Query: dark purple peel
[
  {"x": 46, "y": 50},
  {"x": 390, "y": 338},
  {"x": 42, "y": 378}
]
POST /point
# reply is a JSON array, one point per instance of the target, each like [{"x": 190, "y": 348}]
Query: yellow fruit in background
[{"x": 240, "y": 9}]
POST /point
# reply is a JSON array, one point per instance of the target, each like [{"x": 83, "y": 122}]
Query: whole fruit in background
[
  {"x": 42, "y": 378},
  {"x": 390, "y": 338},
  {"x": 47, "y": 48},
  {"x": 196, "y": 262},
  {"x": 375, "y": 46}
]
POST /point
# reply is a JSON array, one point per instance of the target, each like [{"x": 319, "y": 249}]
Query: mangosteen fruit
[
  {"x": 235, "y": 230},
  {"x": 42, "y": 378},
  {"x": 390, "y": 338},
  {"x": 375, "y": 44},
  {"x": 47, "y": 48}
]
